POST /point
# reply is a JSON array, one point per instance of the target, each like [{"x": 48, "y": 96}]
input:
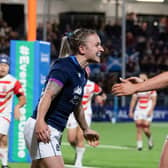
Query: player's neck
[{"x": 82, "y": 61}]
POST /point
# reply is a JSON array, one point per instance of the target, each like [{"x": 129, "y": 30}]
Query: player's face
[
  {"x": 4, "y": 69},
  {"x": 93, "y": 48}
]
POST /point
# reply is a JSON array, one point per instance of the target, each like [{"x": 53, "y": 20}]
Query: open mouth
[{"x": 98, "y": 54}]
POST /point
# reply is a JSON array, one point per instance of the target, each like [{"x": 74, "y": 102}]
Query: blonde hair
[
  {"x": 65, "y": 49},
  {"x": 71, "y": 41}
]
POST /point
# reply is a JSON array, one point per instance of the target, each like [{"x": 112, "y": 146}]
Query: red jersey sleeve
[
  {"x": 97, "y": 89},
  {"x": 18, "y": 90}
]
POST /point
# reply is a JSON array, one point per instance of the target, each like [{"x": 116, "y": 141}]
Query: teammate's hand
[
  {"x": 124, "y": 88},
  {"x": 132, "y": 80},
  {"x": 92, "y": 137},
  {"x": 42, "y": 131}
]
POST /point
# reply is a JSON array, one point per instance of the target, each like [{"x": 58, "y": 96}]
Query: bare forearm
[
  {"x": 80, "y": 117},
  {"x": 22, "y": 101},
  {"x": 157, "y": 82},
  {"x": 51, "y": 91},
  {"x": 132, "y": 105},
  {"x": 43, "y": 106}
]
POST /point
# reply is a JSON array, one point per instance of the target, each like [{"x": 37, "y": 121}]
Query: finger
[
  {"x": 116, "y": 91},
  {"x": 135, "y": 79},
  {"x": 94, "y": 137},
  {"x": 123, "y": 80},
  {"x": 94, "y": 140},
  {"x": 43, "y": 137},
  {"x": 93, "y": 143},
  {"x": 116, "y": 85},
  {"x": 131, "y": 78},
  {"x": 46, "y": 136},
  {"x": 39, "y": 137},
  {"x": 119, "y": 94}
]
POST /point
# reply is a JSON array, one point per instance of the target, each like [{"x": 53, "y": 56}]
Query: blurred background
[{"x": 134, "y": 35}]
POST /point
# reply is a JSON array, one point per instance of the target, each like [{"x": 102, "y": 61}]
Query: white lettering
[
  {"x": 24, "y": 60},
  {"x": 122, "y": 114}
]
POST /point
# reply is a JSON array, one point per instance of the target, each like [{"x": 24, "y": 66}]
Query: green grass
[{"x": 120, "y": 134}]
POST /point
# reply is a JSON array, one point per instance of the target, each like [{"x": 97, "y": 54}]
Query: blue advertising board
[{"x": 30, "y": 63}]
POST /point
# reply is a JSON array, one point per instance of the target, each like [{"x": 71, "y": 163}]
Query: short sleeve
[
  {"x": 97, "y": 89},
  {"x": 59, "y": 76},
  {"x": 153, "y": 93},
  {"x": 18, "y": 90}
]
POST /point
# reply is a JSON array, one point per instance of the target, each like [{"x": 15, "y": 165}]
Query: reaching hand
[
  {"x": 132, "y": 80},
  {"x": 42, "y": 131},
  {"x": 92, "y": 137},
  {"x": 124, "y": 88}
]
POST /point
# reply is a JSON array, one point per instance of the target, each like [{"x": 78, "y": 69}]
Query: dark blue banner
[{"x": 109, "y": 113}]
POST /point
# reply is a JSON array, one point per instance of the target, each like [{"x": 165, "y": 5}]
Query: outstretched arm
[
  {"x": 128, "y": 88},
  {"x": 157, "y": 82}
]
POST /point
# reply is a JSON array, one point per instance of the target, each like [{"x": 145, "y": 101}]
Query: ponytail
[{"x": 65, "y": 49}]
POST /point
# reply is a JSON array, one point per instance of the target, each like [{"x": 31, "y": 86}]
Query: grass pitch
[{"x": 117, "y": 148}]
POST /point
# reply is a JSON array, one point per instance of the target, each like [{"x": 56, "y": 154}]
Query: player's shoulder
[
  {"x": 91, "y": 85},
  {"x": 10, "y": 77},
  {"x": 61, "y": 64},
  {"x": 90, "y": 82}
]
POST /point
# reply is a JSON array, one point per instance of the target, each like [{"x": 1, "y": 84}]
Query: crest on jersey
[
  {"x": 78, "y": 90},
  {"x": 77, "y": 95}
]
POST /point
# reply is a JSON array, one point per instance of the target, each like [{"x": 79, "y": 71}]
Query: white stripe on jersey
[
  {"x": 90, "y": 89},
  {"x": 9, "y": 86},
  {"x": 144, "y": 99}
]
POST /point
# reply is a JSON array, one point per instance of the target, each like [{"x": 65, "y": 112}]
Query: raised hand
[
  {"x": 124, "y": 88},
  {"x": 132, "y": 79}
]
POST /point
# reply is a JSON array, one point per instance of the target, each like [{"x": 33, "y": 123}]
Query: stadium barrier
[{"x": 112, "y": 114}]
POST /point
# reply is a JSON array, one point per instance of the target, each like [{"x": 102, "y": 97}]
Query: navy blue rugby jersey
[{"x": 68, "y": 73}]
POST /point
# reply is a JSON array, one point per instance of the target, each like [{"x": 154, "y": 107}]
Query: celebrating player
[
  {"x": 75, "y": 135},
  {"x": 62, "y": 94}
]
